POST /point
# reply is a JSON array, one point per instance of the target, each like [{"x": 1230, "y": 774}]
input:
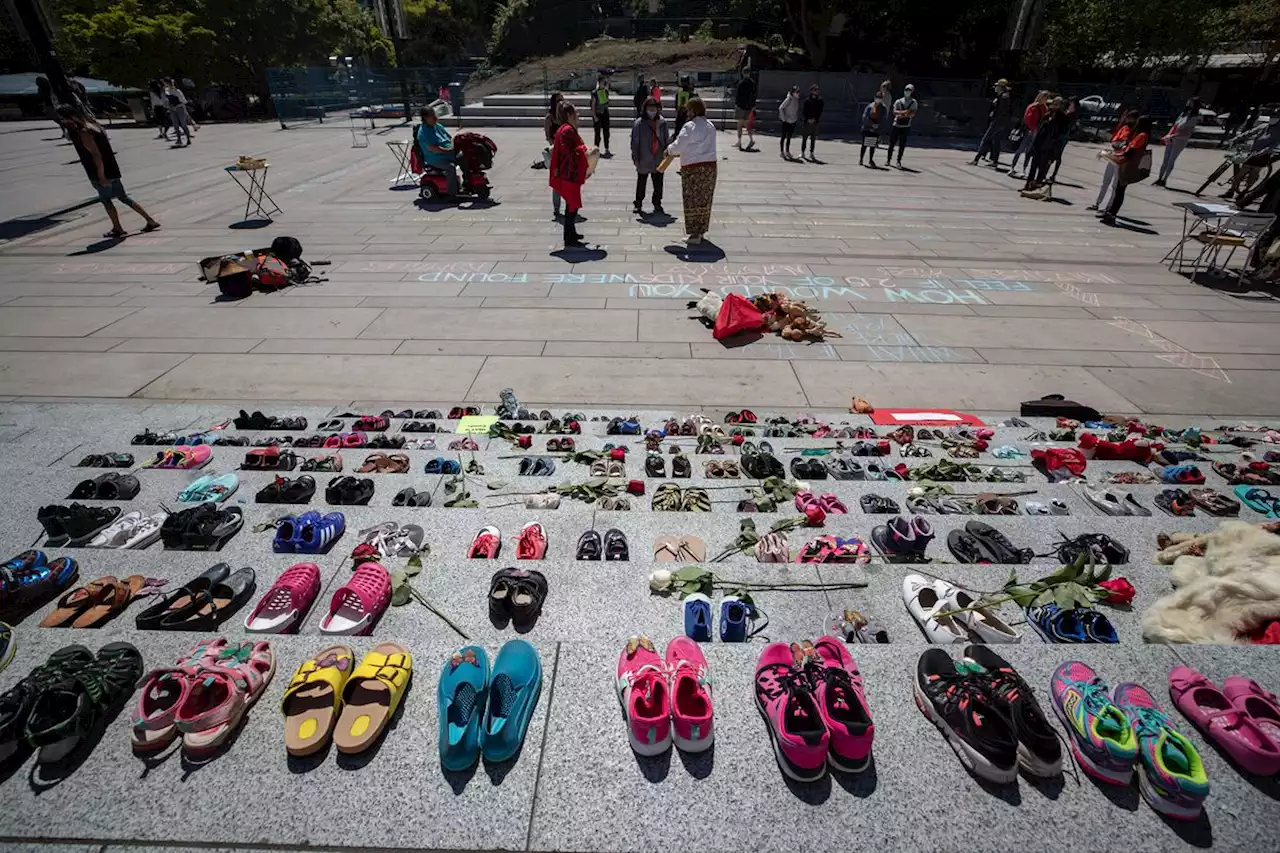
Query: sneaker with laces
[
  {"x": 532, "y": 544},
  {"x": 1171, "y": 778},
  {"x": 1102, "y": 738},
  {"x": 486, "y": 545},
  {"x": 837, "y": 685},
  {"x": 645, "y": 697},
  {"x": 954, "y": 697},
  {"x": 785, "y": 699},
  {"x": 689, "y": 682},
  {"x": 1039, "y": 751}
]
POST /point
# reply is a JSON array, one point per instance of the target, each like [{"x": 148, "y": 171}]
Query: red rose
[
  {"x": 525, "y": 441},
  {"x": 814, "y": 515},
  {"x": 619, "y": 453},
  {"x": 636, "y": 487},
  {"x": 1119, "y": 590},
  {"x": 738, "y": 439}
]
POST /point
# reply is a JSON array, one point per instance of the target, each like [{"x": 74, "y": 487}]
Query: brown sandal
[
  {"x": 1214, "y": 502},
  {"x": 374, "y": 463},
  {"x": 72, "y": 606},
  {"x": 122, "y": 594}
]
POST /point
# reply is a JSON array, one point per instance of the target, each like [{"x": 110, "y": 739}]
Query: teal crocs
[
  {"x": 461, "y": 696},
  {"x": 514, "y": 689}
]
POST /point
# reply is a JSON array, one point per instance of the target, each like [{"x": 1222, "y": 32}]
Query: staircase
[{"x": 529, "y": 110}]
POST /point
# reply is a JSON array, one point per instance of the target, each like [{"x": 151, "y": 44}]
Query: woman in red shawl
[{"x": 569, "y": 173}]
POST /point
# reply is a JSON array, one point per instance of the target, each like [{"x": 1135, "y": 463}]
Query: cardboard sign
[
  {"x": 946, "y": 417},
  {"x": 476, "y": 424}
]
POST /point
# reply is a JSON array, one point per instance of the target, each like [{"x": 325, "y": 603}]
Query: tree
[{"x": 1087, "y": 33}]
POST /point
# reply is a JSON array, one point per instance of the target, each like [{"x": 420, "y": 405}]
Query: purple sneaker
[{"x": 1172, "y": 778}]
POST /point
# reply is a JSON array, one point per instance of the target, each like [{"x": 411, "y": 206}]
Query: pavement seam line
[
  {"x": 542, "y": 747},
  {"x": 799, "y": 383},
  {"x": 151, "y": 382}
]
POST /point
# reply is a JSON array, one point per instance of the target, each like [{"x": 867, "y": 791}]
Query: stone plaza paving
[{"x": 949, "y": 290}]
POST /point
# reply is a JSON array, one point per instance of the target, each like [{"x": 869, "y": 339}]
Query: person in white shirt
[
  {"x": 177, "y": 112},
  {"x": 904, "y": 110},
  {"x": 1177, "y": 138},
  {"x": 788, "y": 115},
  {"x": 695, "y": 145}
]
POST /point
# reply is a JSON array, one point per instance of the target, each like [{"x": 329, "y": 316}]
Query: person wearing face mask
[
  {"x": 649, "y": 139},
  {"x": 569, "y": 166},
  {"x": 600, "y": 111},
  {"x": 873, "y": 115},
  {"x": 812, "y": 111},
  {"x": 999, "y": 119},
  {"x": 904, "y": 110},
  {"x": 788, "y": 115}
]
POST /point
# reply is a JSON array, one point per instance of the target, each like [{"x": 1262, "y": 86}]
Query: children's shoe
[
  {"x": 1172, "y": 778},
  {"x": 734, "y": 615},
  {"x": 1262, "y": 707},
  {"x": 1039, "y": 751},
  {"x": 785, "y": 699},
  {"x": 689, "y": 681},
  {"x": 837, "y": 686},
  {"x": 532, "y": 544},
  {"x": 460, "y": 697},
  {"x": 1225, "y": 720},
  {"x": 645, "y": 698},
  {"x": 1102, "y": 738},
  {"x": 697, "y": 617},
  {"x": 954, "y": 697},
  {"x": 514, "y": 688},
  {"x": 486, "y": 545}
]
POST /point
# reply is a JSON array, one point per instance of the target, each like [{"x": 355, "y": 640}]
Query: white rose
[{"x": 660, "y": 580}]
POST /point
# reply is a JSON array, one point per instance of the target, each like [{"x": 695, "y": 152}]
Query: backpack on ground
[
  {"x": 272, "y": 273},
  {"x": 287, "y": 249}
]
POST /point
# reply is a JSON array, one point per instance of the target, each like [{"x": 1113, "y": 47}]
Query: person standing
[
  {"x": 1030, "y": 121},
  {"x": 177, "y": 112},
  {"x": 1119, "y": 139},
  {"x": 1177, "y": 138},
  {"x": 1127, "y": 161},
  {"x": 745, "y": 103},
  {"x": 788, "y": 115},
  {"x": 569, "y": 167},
  {"x": 873, "y": 115},
  {"x": 999, "y": 120},
  {"x": 811, "y": 112},
  {"x": 695, "y": 145},
  {"x": 1050, "y": 132},
  {"x": 437, "y": 149},
  {"x": 99, "y": 161},
  {"x": 683, "y": 94},
  {"x": 904, "y": 110},
  {"x": 642, "y": 95},
  {"x": 159, "y": 108},
  {"x": 655, "y": 91},
  {"x": 1072, "y": 113},
  {"x": 550, "y": 124},
  {"x": 600, "y": 111},
  {"x": 649, "y": 139}
]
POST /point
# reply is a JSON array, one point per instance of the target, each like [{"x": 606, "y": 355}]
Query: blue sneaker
[
  {"x": 286, "y": 539},
  {"x": 1098, "y": 627},
  {"x": 1055, "y": 625},
  {"x": 733, "y": 619},
  {"x": 697, "y": 618},
  {"x": 460, "y": 697},
  {"x": 514, "y": 687},
  {"x": 316, "y": 533}
]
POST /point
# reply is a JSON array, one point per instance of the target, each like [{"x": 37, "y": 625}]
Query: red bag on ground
[{"x": 737, "y": 315}]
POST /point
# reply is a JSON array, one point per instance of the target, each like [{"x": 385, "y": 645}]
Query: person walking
[
  {"x": 999, "y": 120},
  {"x": 683, "y": 94},
  {"x": 1128, "y": 160},
  {"x": 551, "y": 123},
  {"x": 1119, "y": 139},
  {"x": 1072, "y": 114},
  {"x": 600, "y": 111},
  {"x": 1050, "y": 132},
  {"x": 1177, "y": 138},
  {"x": 649, "y": 138},
  {"x": 695, "y": 145},
  {"x": 873, "y": 115},
  {"x": 788, "y": 115},
  {"x": 159, "y": 108},
  {"x": 811, "y": 112},
  {"x": 1030, "y": 120},
  {"x": 99, "y": 161},
  {"x": 904, "y": 110},
  {"x": 745, "y": 104},
  {"x": 569, "y": 166},
  {"x": 178, "y": 113}
]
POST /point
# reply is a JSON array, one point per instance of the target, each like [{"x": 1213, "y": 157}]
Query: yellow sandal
[
  {"x": 312, "y": 700},
  {"x": 371, "y": 697}
]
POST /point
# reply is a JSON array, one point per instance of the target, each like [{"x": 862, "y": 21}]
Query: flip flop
[
  {"x": 1214, "y": 502},
  {"x": 79, "y": 600},
  {"x": 122, "y": 593},
  {"x": 1259, "y": 500},
  {"x": 693, "y": 549},
  {"x": 371, "y": 696},
  {"x": 666, "y": 549},
  {"x": 313, "y": 698}
]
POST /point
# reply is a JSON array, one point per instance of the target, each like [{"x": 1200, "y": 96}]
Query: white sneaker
[
  {"x": 925, "y": 598},
  {"x": 146, "y": 531},
  {"x": 983, "y": 622}
]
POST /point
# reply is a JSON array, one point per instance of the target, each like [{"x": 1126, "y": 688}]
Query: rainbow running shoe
[
  {"x": 1172, "y": 780},
  {"x": 1102, "y": 738}
]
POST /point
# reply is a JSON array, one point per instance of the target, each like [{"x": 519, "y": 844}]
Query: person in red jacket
[
  {"x": 1127, "y": 160},
  {"x": 1030, "y": 121},
  {"x": 569, "y": 172}
]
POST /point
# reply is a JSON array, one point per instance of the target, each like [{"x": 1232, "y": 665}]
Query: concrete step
[{"x": 584, "y": 99}]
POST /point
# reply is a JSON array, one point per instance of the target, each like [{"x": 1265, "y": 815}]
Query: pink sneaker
[
  {"x": 646, "y": 702},
  {"x": 1262, "y": 707},
  {"x": 1226, "y": 724},
  {"x": 843, "y": 705},
  {"x": 532, "y": 544},
  {"x": 690, "y": 682},
  {"x": 786, "y": 701}
]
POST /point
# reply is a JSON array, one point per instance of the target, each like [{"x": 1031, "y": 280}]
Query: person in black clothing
[
  {"x": 99, "y": 161},
  {"x": 810, "y": 114},
  {"x": 1046, "y": 143},
  {"x": 745, "y": 102},
  {"x": 999, "y": 120},
  {"x": 641, "y": 95},
  {"x": 1072, "y": 113}
]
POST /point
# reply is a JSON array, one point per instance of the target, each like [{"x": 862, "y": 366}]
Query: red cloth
[
  {"x": 569, "y": 166},
  {"x": 737, "y": 315},
  {"x": 1121, "y": 134},
  {"x": 1035, "y": 112},
  {"x": 1270, "y": 635}
]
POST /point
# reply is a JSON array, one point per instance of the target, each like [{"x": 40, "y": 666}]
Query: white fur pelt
[{"x": 1231, "y": 590}]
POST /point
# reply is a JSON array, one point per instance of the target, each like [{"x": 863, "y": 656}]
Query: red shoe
[
  {"x": 841, "y": 704},
  {"x": 532, "y": 544},
  {"x": 486, "y": 545}
]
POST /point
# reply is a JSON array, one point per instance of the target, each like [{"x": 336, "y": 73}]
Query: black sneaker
[
  {"x": 954, "y": 697},
  {"x": 1039, "y": 751}
]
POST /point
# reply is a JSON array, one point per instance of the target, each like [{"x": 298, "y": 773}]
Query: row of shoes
[
  {"x": 531, "y": 543},
  {"x": 259, "y": 421}
]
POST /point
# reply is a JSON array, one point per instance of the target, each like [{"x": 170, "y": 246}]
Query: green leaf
[
  {"x": 1042, "y": 598},
  {"x": 496, "y": 484},
  {"x": 689, "y": 573},
  {"x": 398, "y": 578},
  {"x": 1022, "y": 595},
  {"x": 401, "y": 595},
  {"x": 1103, "y": 575},
  {"x": 597, "y": 482},
  {"x": 1062, "y": 596},
  {"x": 414, "y": 566},
  {"x": 1013, "y": 579}
]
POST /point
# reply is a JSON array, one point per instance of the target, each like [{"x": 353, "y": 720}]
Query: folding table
[{"x": 256, "y": 190}]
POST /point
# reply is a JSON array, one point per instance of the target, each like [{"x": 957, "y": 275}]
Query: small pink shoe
[
  {"x": 786, "y": 701},
  {"x": 358, "y": 603},
  {"x": 803, "y": 499},
  {"x": 1262, "y": 707},
  {"x": 1226, "y": 724},
  {"x": 690, "y": 682},
  {"x": 189, "y": 458},
  {"x": 832, "y": 505},
  {"x": 645, "y": 698},
  {"x": 843, "y": 705},
  {"x": 286, "y": 604}
]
